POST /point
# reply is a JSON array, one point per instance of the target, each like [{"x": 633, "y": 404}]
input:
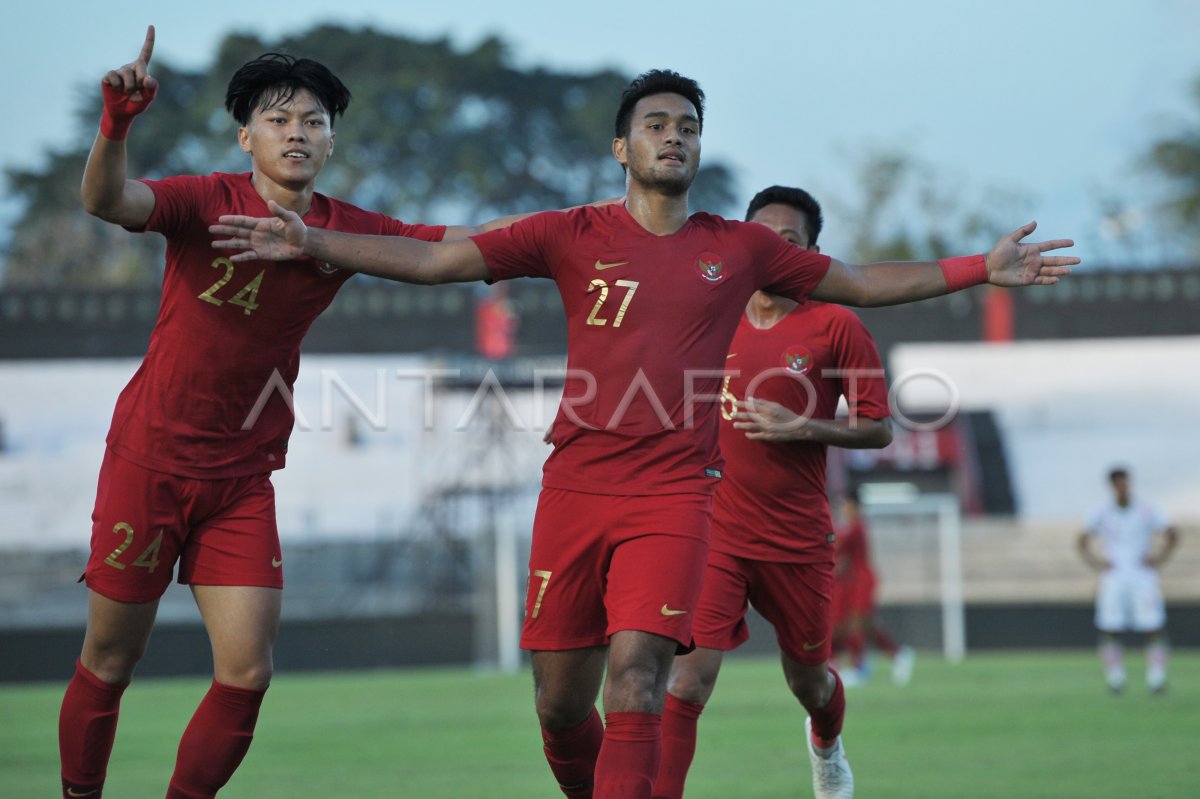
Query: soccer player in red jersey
[
  {"x": 855, "y": 621},
  {"x": 652, "y": 297},
  {"x": 772, "y": 531},
  {"x": 186, "y": 476}
]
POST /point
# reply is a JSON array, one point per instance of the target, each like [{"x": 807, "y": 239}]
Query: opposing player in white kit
[{"x": 1129, "y": 598}]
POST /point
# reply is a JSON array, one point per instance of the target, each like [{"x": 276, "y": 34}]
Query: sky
[{"x": 1038, "y": 108}]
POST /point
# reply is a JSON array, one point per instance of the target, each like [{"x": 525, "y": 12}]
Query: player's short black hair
[
  {"x": 657, "y": 81},
  {"x": 799, "y": 199},
  {"x": 1117, "y": 472},
  {"x": 274, "y": 78}
]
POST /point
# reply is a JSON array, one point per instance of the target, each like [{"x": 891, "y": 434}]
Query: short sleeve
[
  {"x": 787, "y": 270},
  {"x": 178, "y": 202},
  {"x": 523, "y": 249},
  {"x": 394, "y": 227},
  {"x": 1094, "y": 522},
  {"x": 861, "y": 369}
]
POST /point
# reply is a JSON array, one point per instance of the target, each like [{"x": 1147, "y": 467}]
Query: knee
[
  {"x": 813, "y": 689},
  {"x": 255, "y": 676},
  {"x": 692, "y": 685},
  {"x": 113, "y": 662},
  {"x": 638, "y": 686},
  {"x": 556, "y": 711}
]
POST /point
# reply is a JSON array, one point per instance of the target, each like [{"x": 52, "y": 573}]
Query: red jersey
[
  {"x": 772, "y": 503},
  {"x": 208, "y": 401},
  {"x": 649, "y": 320},
  {"x": 853, "y": 554}
]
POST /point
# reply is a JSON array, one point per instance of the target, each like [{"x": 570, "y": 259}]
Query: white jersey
[{"x": 1126, "y": 533}]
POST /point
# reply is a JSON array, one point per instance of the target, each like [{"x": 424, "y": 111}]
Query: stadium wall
[{"x": 447, "y": 638}]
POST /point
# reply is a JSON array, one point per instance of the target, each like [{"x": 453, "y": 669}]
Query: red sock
[
  {"x": 87, "y": 725},
  {"x": 827, "y": 721},
  {"x": 572, "y": 755},
  {"x": 678, "y": 746},
  {"x": 628, "y": 761},
  {"x": 215, "y": 741}
]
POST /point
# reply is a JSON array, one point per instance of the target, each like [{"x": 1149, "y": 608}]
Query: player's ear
[
  {"x": 619, "y": 151},
  {"x": 244, "y": 138},
  {"x": 815, "y": 248},
  {"x": 332, "y": 136}
]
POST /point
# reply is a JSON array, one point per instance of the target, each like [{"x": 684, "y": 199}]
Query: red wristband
[
  {"x": 120, "y": 108},
  {"x": 114, "y": 128},
  {"x": 964, "y": 272}
]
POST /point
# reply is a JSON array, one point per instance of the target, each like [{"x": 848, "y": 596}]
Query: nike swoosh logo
[
  {"x": 601, "y": 266},
  {"x": 731, "y": 355},
  {"x": 276, "y": 562},
  {"x": 73, "y": 792},
  {"x": 666, "y": 611},
  {"x": 809, "y": 647}
]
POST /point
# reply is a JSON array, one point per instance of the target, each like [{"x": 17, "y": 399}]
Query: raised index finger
[{"x": 147, "y": 46}]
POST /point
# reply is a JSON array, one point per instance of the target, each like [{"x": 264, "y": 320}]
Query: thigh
[
  {"x": 564, "y": 602},
  {"x": 235, "y": 540},
  {"x": 796, "y": 598},
  {"x": 242, "y": 624},
  {"x": 657, "y": 567},
  {"x": 1111, "y": 603},
  {"x": 1147, "y": 606},
  {"x": 721, "y": 612},
  {"x": 138, "y": 531}
]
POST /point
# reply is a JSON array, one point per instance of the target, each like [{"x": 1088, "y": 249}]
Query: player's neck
[
  {"x": 765, "y": 310},
  {"x": 291, "y": 198},
  {"x": 660, "y": 214}
]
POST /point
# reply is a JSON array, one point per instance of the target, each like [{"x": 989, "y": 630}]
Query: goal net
[{"x": 916, "y": 549}]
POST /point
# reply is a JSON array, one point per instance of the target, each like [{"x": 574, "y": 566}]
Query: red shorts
[
  {"x": 796, "y": 598},
  {"x": 222, "y": 532},
  {"x": 601, "y": 563}
]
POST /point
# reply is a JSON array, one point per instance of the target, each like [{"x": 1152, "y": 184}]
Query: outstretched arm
[
  {"x": 285, "y": 237},
  {"x": 106, "y": 191},
  {"x": 1010, "y": 263},
  {"x": 764, "y": 420},
  {"x": 456, "y": 232}
]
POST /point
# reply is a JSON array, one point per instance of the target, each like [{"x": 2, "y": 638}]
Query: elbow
[
  {"x": 97, "y": 204},
  {"x": 884, "y": 436},
  {"x": 91, "y": 203},
  {"x": 880, "y": 434}
]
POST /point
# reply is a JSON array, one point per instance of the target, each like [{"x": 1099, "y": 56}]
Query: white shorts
[{"x": 1130, "y": 601}]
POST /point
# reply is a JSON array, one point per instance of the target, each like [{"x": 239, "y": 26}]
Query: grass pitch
[{"x": 1036, "y": 726}]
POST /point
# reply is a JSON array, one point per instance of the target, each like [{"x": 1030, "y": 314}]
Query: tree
[
  {"x": 906, "y": 211},
  {"x": 432, "y": 135},
  {"x": 1177, "y": 158}
]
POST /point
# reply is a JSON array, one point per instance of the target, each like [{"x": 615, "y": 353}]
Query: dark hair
[
  {"x": 274, "y": 78},
  {"x": 1117, "y": 471},
  {"x": 799, "y": 199},
  {"x": 658, "y": 81}
]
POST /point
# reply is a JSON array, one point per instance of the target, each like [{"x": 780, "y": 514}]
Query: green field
[{"x": 1012, "y": 725}]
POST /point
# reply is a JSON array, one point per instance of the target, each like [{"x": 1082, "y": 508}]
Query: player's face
[
  {"x": 288, "y": 142},
  {"x": 662, "y": 150},
  {"x": 1120, "y": 485},
  {"x": 788, "y": 222}
]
